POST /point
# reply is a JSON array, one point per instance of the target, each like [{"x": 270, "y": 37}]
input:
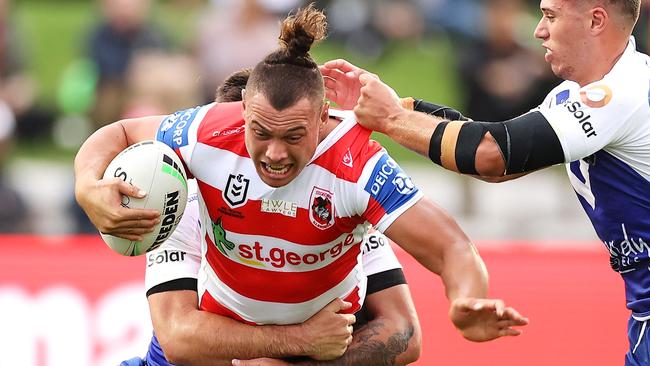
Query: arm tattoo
[{"x": 369, "y": 349}]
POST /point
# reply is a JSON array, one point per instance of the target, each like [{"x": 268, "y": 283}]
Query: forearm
[
  {"x": 464, "y": 274},
  {"x": 415, "y": 130},
  {"x": 412, "y": 130},
  {"x": 447, "y": 252},
  {"x": 458, "y": 263},
  {"x": 202, "y": 338},
  {"x": 379, "y": 342}
]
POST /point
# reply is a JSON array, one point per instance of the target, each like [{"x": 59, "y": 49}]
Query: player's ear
[
  {"x": 325, "y": 113},
  {"x": 599, "y": 20},
  {"x": 243, "y": 98}
]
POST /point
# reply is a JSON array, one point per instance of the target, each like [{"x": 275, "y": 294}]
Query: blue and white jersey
[{"x": 604, "y": 129}]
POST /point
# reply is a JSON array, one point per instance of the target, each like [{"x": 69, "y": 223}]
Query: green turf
[
  {"x": 54, "y": 35},
  {"x": 415, "y": 69}
]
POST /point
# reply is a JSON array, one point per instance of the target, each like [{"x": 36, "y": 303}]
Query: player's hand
[
  {"x": 377, "y": 104},
  {"x": 260, "y": 362},
  {"x": 102, "y": 202},
  {"x": 328, "y": 333},
  {"x": 342, "y": 85},
  {"x": 481, "y": 320}
]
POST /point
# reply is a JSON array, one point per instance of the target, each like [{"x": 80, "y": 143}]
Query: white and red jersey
[
  {"x": 279, "y": 255},
  {"x": 179, "y": 257}
]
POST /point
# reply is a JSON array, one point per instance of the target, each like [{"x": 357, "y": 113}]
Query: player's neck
[
  {"x": 604, "y": 61},
  {"x": 601, "y": 64},
  {"x": 329, "y": 127}
]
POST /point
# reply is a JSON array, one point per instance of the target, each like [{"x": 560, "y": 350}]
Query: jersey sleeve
[
  {"x": 180, "y": 130},
  {"x": 179, "y": 257},
  {"x": 380, "y": 263},
  {"x": 377, "y": 254},
  {"x": 385, "y": 191},
  {"x": 588, "y": 119}
]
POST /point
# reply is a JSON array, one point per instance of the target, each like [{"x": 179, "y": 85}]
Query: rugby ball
[{"x": 154, "y": 167}]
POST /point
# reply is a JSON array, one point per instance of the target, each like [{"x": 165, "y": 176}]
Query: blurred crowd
[{"x": 130, "y": 66}]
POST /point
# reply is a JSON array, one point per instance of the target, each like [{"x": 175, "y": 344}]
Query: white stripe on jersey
[
  {"x": 339, "y": 131},
  {"x": 266, "y": 312},
  {"x": 187, "y": 151}
]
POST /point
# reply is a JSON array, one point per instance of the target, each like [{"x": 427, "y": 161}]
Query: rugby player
[
  {"x": 267, "y": 265},
  {"x": 382, "y": 328},
  {"x": 597, "y": 122}
]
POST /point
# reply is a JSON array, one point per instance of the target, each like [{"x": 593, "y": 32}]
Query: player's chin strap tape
[{"x": 527, "y": 143}]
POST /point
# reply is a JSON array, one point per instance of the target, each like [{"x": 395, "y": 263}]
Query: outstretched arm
[
  {"x": 438, "y": 243},
  {"x": 486, "y": 149},
  {"x": 379, "y": 108}
]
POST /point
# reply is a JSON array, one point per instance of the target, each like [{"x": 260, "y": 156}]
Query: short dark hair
[
  {"x": 290, "y": 74},
  {"x": 230, "y": 90},
  {"x": 629, "y": 8}
]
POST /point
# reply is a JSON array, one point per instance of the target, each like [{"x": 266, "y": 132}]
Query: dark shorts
[{"x": 637, "y": 334}]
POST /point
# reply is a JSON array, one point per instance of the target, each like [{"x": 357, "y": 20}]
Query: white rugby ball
[{"x": 154, "y": 167}]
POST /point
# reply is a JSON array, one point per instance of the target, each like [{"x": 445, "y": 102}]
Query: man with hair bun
[
  {"x": 387, "y": 309},
  {"x": 284, "y": 208}
]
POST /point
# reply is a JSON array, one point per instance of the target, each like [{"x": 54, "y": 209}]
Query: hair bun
[{"x": 301, "y": 30}]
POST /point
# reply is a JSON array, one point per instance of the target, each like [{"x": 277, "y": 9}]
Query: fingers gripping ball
[{"x": 154, "y": 167}]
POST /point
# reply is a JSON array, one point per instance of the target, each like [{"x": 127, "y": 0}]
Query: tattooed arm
[{"x": 392, "y": 337}]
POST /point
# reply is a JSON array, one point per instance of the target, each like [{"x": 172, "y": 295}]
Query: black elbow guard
[{"x": 527, "y": 143}]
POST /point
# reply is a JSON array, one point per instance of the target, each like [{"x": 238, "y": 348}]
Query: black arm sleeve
[
  {"x": 383, "y": 280},
  {"x": 532, "y": 143},
  {"x": 527, "y": 143},
  {"x": 378, "y": 282},
  {"x": 174, "y": 285},
  {"x": 441, "y": 111}
]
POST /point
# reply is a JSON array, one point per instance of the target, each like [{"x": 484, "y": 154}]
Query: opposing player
[
  {"x": 284, "y": 208},
  {"x": 597, "y": 122}
]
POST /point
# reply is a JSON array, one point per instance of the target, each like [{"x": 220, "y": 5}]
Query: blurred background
[{"x": 68, "y": 67}]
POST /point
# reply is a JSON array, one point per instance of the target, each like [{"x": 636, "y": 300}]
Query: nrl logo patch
[
  {"x": 321, "y": 212},
  {"x": 236, "y": 190}
]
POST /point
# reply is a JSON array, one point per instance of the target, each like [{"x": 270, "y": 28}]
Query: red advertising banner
[{"x": 69, "y": 301}]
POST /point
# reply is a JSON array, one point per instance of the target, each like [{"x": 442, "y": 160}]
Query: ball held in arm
[{"x": 155, "y": 168}]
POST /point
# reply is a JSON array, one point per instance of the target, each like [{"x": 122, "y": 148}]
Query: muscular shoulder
[
  {"x": 223, "y": 122},
  {"x": 590, "y": 118}
]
